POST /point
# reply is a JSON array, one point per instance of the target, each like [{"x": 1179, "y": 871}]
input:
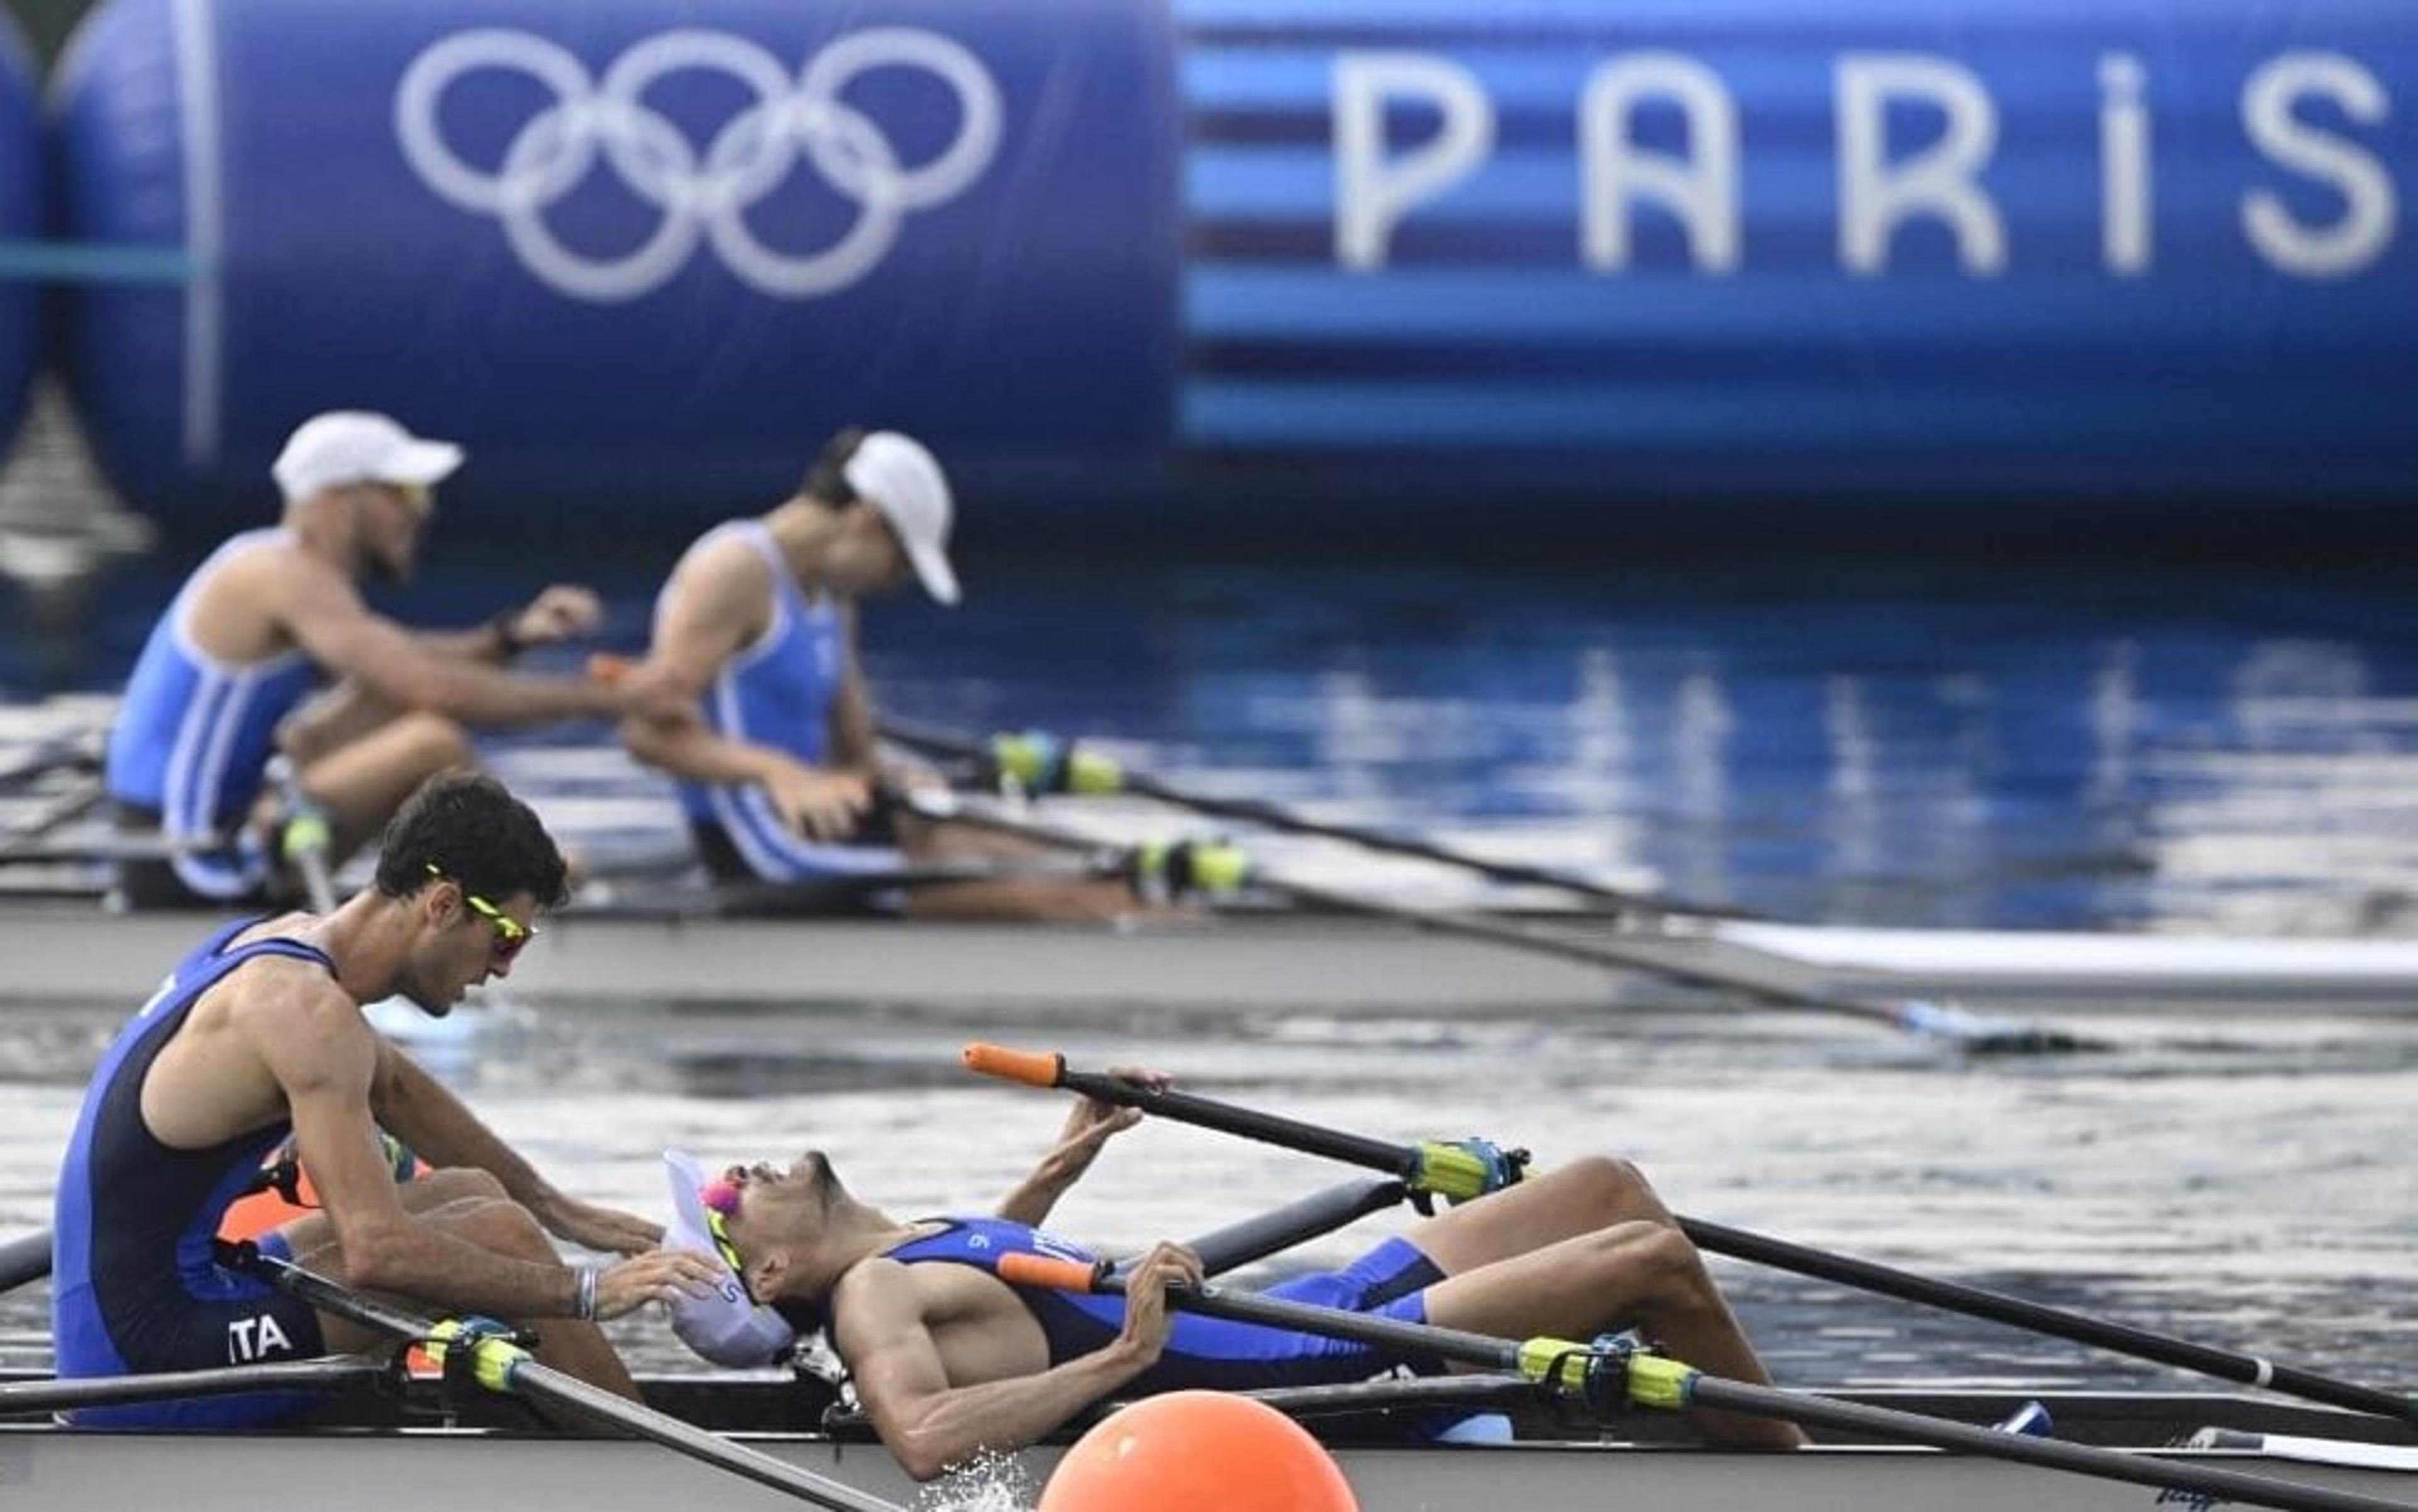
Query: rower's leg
[
  {"x": 1637, "y": 1274},
  {"x": 362, "y": 783},
  {"x": 1061, "y": 900},
  {"x": 470, "y": 1205},
  {"x": 1563, "y": 1203}
]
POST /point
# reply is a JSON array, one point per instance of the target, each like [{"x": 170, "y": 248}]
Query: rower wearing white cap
[
  {"x": 218, "y": 691},
  {"x": 758, "y": 623}
]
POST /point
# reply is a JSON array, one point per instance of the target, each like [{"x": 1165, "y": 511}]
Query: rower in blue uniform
[
  {"x": 258, "y": 1034},
  {"x": 220, "y": 685},
  {"x": 949, "y": 1360},
  {"x": 778, "y": 773}
]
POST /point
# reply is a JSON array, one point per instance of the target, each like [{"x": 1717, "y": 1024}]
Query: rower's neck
[
  {"x": 368, "y": 937},
  {"x": 325, "y": 526},
  {"x": 804, "y": 531}
]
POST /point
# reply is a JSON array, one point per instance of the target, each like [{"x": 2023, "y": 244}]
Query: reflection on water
[{"x": 2232, "y": 748}]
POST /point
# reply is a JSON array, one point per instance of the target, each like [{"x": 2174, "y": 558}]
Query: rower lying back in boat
[{"x": 950, "y": 1359}]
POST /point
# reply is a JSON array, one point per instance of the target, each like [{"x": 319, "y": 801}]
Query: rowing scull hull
[
  {"x": 67, "y": 952},
  {"x": 411, "y": 1471}
]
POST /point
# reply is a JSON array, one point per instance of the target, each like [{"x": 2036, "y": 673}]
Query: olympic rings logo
[{"x": 699, "y": 196}]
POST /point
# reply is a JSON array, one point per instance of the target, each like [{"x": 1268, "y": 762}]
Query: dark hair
[
  {"x": 827, "y": 480},
  {"x": 804, "y": 1315},
  {"x": 472, "y": 828}
]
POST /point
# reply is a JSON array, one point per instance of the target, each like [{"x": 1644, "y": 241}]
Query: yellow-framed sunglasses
[{"x": 512, "y": 936}]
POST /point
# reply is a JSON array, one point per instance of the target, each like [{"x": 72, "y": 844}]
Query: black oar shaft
[
  {"x": 1044, "y": 1070},
  {"x": 935, "y": 742},
  {"x": 25, "y": 1258},
  {"x": 331, "y": 1375},
  {"x": 1377, "y": 1154},
  {"x": 1701, "y": 1390},
  {"x": 1978, "y": 1302},
  {"x": 2051, "y": 1454},
  {"x": 1691, "y": 968},
  {"x": 556, "y": 1388},
  {"x": 1272, "y": 1232}
]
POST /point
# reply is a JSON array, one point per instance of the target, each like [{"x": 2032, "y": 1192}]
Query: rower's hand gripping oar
[
  {"x": 1608, "y": 1374},
  {"x": 1042, "y": 1069},
  {"x": 1455, "y": 1170},
  {"x": 488, "y": 1354}
]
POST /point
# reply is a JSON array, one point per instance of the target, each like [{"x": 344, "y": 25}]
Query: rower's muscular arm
[
  {"x": 929, "y": 1425},
  {"x": 851, "y": 715},
  {"x": 716, "y": 601},
  {"x": 328, "y": 619},
  {"x": 325, "y": 1059},
  {"x": 440, "y": 1129},
  {"x": 1090, "y": 1124}
]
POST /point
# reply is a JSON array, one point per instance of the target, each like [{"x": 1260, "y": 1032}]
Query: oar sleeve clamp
[
  {"x": 1162, "y": 871},
  {"x": 477, "y": 1351},
  {"x": 1460, "y": 1170},
  {"x": 1038, "y": 763}
]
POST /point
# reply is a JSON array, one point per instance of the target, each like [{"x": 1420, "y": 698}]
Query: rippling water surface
[{"x": 2232, "y": 750}]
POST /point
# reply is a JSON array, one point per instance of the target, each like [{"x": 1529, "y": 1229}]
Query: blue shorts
[
  {"x": 222, "y": 1318},
  {"x": 1222, "y": 1354}
]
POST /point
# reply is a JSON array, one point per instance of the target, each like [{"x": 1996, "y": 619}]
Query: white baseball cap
[
  {"x": 726, "y": 1327},
  {"x": 895, "y": 475},
  {"x": 344, "y": 446}
]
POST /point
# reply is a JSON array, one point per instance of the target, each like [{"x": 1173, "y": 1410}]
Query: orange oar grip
[
  {"x": 1034, "y": 1068},
  {"x": 605, "y": 667},
  {"x": 1040, "y": 1270}
]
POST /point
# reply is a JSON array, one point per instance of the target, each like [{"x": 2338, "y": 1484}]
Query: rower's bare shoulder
[
  {"x": 286, "y": 1003},
  {"x": 721, "y": 564}
]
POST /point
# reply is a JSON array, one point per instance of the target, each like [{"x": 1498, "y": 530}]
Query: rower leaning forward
[
  {"x": 258, "y": 1035},
  {"x": 778, "y": 769},
  {"x": 221, "y": 686}
]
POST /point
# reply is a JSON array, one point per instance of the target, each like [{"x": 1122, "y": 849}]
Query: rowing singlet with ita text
[{"x": 135, "y": 1280}]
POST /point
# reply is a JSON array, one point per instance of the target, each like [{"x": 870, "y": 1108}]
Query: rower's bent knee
[
  {"x": 1613, "y": 1186},
  {"x": 432, "y": 741},
  {"x": 502, "y": 1225},
  {"x": 455, "y": 1184},
  {"x": 1656, "y": 1260}
]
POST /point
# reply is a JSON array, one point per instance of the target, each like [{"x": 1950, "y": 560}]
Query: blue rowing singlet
[
  {"x": 136, "y": 1282},
  {"x": 1214, "y": 1354},
  {"x": 777, "y": 693},
  {"x": 194, "y": 734}
]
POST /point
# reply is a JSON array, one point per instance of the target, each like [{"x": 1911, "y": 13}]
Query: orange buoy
[{"x": 1198, "y": 1451}]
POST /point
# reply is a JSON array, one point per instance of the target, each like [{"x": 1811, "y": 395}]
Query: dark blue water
[{"x": 2222, "y": 745}]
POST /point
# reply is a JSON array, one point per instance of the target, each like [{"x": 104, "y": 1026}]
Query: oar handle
[
  {"x": 1034, "y": 1068},
  {"x": 1041, "y": 1068},
  {"x": 1053, "y": 1275}
]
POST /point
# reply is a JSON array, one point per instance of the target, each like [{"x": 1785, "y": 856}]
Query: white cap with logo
[
  {"x": 344, "y": 446},
  {"x": 726, "y": 1327},
  {"x": 895, "y": 475}
]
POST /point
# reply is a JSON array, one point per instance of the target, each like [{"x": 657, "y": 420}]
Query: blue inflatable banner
[
  {"x": 1554, "y": 263},
  {"x": 20, "y": 219}
]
